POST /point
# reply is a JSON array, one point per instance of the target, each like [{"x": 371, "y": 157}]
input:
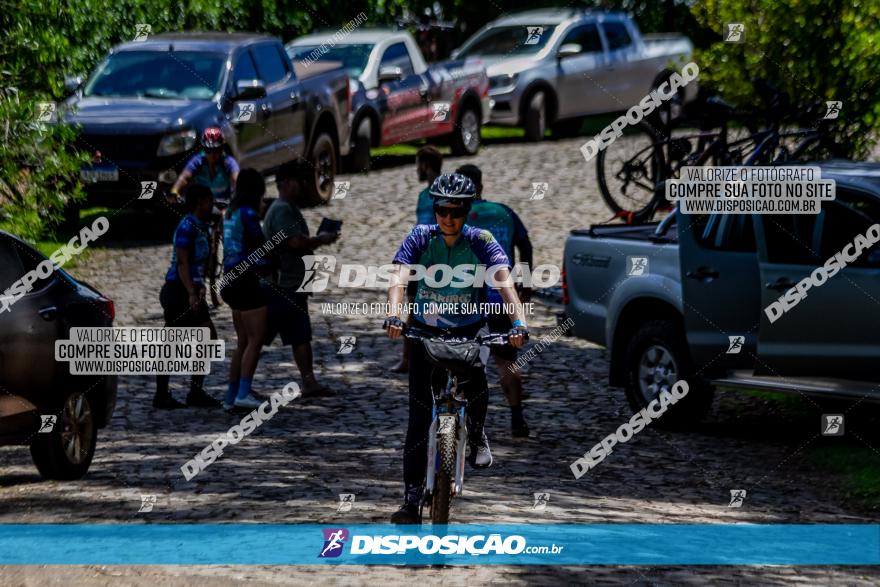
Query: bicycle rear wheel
[
  {"x": 629, "y": 170},
  {"x": 441, "y": 496}
]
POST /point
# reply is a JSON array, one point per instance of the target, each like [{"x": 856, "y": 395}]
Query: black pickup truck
[{"x": 142, "y": 111}]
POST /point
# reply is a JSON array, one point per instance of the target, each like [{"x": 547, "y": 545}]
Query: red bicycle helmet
[{"x": 212, "y": 139}]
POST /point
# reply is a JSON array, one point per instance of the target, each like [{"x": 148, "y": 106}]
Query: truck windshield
[
  {"x": 353, "y": 57},
  {"x": 187, "y": 75},
  {"x": 510, "y": 40}
]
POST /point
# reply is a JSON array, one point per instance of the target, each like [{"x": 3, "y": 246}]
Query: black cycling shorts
[
  {"x": 176, "y": 309},
  {"x": 244, "y": 293},
  {"x": 288, "y": 315}
]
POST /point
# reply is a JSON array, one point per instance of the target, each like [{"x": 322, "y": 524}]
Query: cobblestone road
[{"x": 292, "y": 469}]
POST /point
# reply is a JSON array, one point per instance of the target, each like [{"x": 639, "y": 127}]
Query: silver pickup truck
[
  {"x": 554, "y": 66},
  {"x": 686, "y": 298}
]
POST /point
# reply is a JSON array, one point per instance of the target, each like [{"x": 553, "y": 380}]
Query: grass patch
[
  {"x": 60, "y": 237},
  {"x": 787, "y": 400},
  {"x": 858, "y": 465}
]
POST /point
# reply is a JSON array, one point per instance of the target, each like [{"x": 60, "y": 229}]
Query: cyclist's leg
[
  {"x": 476, "y": 390},
  {"x": 415, "y": 455}
]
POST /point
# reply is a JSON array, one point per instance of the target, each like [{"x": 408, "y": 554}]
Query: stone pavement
[{"x": 292, "y": 469}]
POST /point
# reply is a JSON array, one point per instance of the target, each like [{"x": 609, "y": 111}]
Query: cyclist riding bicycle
[
  {"x": 217, "y": 171},
  {"x": 211, "y": 168},
  {"x": 447, "y": 311}
]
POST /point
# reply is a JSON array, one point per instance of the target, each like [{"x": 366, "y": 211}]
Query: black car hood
[{"x": 133, "y": 115}]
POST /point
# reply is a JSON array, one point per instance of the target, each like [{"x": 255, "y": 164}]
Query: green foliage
[{"x": 814, "y": 50}]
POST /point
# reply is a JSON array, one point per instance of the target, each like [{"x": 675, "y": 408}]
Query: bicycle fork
[{"x": 445, "y": 423}]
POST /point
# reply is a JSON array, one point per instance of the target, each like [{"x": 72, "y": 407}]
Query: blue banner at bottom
[{"x": 464, "y": 544}]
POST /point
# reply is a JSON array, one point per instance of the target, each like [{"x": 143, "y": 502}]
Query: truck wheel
[
  {"x": 67, "y": 451},
  {"x": 323, "y": 159},
  {"x": 536, "y": 117},
  {"x": 359, "y": 159},
  {"x": 466, "y": 136},
  {"x": 656, "y": 357}
]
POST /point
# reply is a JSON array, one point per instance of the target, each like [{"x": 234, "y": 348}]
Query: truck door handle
[
  {"x": 703, "y": 274},
  {"x": 781, "y": 284},
  {"x": 48, "y": 313}
]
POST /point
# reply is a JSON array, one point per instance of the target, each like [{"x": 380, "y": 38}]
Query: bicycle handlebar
[{"x": 491, "y": 339}]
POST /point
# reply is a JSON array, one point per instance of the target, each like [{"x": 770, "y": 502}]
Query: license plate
[{"x": 96, "y": 174}]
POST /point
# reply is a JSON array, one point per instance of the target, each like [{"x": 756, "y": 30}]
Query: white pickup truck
[{"x": 550, "y": 67}]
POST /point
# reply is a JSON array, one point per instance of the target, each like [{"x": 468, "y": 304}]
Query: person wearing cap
[
  {"x": 288, "y": 308},
  {"x": 452, "y": 243}
]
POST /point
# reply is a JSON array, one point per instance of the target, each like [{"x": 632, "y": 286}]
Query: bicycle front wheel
[
  {"x": 442, "y": 493},
  {"x": 629, "y": 170}
]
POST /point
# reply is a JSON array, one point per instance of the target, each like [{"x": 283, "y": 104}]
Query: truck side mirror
[
  {"x": 249, "y": 89},
  {"x": 568, "y": 50},
  {"x": 72, "y": 83},
  {"x": 390, "y": 74}
]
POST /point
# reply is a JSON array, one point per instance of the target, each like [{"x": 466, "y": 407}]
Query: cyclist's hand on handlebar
[
  {"x": 518, "y": 335},
  {"x": 393, "y": 326}
]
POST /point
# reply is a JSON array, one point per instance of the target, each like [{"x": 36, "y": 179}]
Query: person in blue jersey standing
[{"x": 510, "y": 232}]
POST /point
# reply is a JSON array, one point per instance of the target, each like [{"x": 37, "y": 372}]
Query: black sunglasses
[{"x": 443, "y": 211}]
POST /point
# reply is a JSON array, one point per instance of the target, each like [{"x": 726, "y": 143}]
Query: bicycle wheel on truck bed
[{"x": 629, "y": 169}]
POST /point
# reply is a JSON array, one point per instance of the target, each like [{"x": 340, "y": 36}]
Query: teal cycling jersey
[
  {"x": 220, "y": 183},
  {"x": 504, "y": 225},
  {"x": 442, "y": 300},
  {"x": 425, "y": 208}
]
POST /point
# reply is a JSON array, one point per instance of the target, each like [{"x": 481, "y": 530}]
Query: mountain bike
[
  {"x": 447, "y": 436},
  {"x": 214, "y": 266},
  {"x": 632, "y": 171}
]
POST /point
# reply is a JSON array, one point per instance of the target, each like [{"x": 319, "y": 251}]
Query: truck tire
[
  {"x": 535, "y": 118},
  {"x": 359, "y": 159},
  {"x": 466, "y": 135},
  {"x": 66, "y": 452},
  {"x": 655, "y": 358},
  {"x": 322, "y": 156}
]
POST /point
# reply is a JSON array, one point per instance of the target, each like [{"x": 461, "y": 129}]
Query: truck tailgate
[{"x": 597, "y": 269}]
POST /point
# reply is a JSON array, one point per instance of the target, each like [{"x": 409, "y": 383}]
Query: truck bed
[
  {"x": 621, "y": 231},
  {"x": 597, "y": 263}
]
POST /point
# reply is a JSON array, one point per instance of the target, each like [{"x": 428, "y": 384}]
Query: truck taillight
[
  {"x": 564, "y": 287},
  {"x": 109, "y": 308}
]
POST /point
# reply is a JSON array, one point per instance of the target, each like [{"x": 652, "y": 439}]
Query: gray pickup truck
[
  {"x": 686, "y": 298},
  {"x": 553, "y": 66}
]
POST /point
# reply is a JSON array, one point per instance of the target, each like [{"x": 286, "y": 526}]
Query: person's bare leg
[
  {"x": 254, "y": 322},
  {"x": 302, "y": 355},
  {"x": 241, "y": 338},
  {"x": 511, "y": 384}
]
